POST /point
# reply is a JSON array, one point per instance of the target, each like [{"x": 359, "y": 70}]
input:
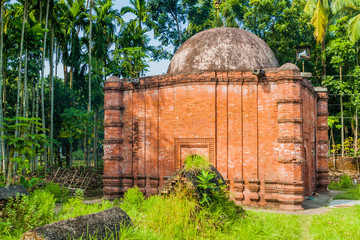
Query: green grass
[
  {"x": 179, "y": 216},
  {"x": 345, "y": 183},
  {"x": 195, "y": 163},
  {"x": 350, "y": 194}
]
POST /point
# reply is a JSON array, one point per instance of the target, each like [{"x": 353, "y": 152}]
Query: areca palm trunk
[
  {"x": 2, "y": 152},
  {"x": 11, "y": 163},
  {"x": 42, "y": 79},
  {"x": 25, "y": 84},
  {"x": 90, "y": 40},
  {"x": 52, "y": 97},
  {"x": 342, "y": 119}
]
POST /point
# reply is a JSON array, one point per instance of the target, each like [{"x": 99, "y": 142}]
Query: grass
[
  {"x": 179, "y": 216},
  {"x": 195, "y": 163},
  {"x": 345, "y": 183},
  {"x": 350, "y": 194}
]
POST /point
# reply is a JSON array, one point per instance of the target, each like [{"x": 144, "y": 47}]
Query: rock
[
  {"x": 12, "y": 191},
  {"x": 191, "y": 180},
  {"x": 101, "y": 224}
]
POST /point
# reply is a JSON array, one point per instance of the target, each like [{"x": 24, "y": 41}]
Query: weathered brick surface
[{"x": 266, "y": 135}]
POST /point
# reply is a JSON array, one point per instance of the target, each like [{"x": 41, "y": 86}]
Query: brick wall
[{"x": 259, "y": 132}]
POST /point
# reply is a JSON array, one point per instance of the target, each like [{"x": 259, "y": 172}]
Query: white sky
[{"x": 155, "y": 68}]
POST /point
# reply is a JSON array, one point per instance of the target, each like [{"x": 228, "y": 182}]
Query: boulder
[
  {"x": 99, "y": 224},
  {"x": 12, "y": 191}
]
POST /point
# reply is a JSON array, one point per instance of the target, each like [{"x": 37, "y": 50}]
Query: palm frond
[
  {"x": 319, "y": 21},
  {"x": 354, "y": 28}
]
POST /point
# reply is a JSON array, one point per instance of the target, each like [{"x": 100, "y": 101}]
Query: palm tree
[
  {"x": 1, "y": 84},
  {"x": 104, "y": 28},
  {"x": 11, "y": 163},
  {"x": 321, "y": 14},
  {"x": 350, "y": 8},
  {"x": 42, "y": 78},
  {"x": 139, "y": 9},
  {"x": 72, "y": 17}
]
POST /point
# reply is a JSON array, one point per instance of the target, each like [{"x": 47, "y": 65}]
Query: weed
[
  {"x": 352, "y": 194},
  {"x": 133, "y": 198},
  {"x": 345, "y": 182},
  {"x": 60, "y": 193},
  {"x": 28, "y": 212},
  {"x": 194, "y": 163}
]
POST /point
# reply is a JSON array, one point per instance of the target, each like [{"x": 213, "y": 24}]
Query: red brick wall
[{"x": 254, "y": 130}]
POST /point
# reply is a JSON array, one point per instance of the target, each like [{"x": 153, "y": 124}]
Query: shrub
[
  {"x": 133, "y": 198},
  {"x": 194, "y": 163},
  {"x": 78, "y": 155},
  {"x": 27, "y": 212},
  {"x": 75, "y": 207},
  {"x": 352, "y": 194},
  {"x": 60, "y": 193},
  {"x": 345, "y": 182}
]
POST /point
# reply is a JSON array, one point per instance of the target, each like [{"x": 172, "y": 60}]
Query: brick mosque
[{"x": 263, "y": 126}]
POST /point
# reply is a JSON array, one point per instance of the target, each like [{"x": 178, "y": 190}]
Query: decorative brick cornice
[
  {"x": 108, "y": 89},
  {"x": 289, "y": 100},
  {"x": 287, "y": 139},
  {"x": 323, "y": 114},
  {"x": 322, "y": 128},
  {"x": 114, "y": 124},
  {"x": 290, "y": 120},
  {"x": 119, "y": 108},
  {"x": 113, "y": 158},
  {"x": 290, "y": 160},
  {"x": 322, "y": 141},
  {"x": 113, "y": 141}
]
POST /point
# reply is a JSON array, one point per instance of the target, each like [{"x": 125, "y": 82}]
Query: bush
[
  {"x": 78, "y": 155},
  {"x": 195, "y": 163},
  {"x": 75, "y": 207},
  {"x": 60, "y": 193},
  {"x": 133, "y": 198},
  {"x": 345, "y": 182},
  {"x": 352, "y": 194},
  {"x": 25, "y": 213}
]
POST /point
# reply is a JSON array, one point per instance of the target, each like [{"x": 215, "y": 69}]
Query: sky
[{"x": 155, "y": 68}]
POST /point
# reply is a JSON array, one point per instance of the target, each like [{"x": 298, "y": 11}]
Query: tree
[
  {"x": 168, "y": 18},
  {"x": 342, "y": 54},
  {"x": 74, "y": 125},
  {"x": 351, "y": 9},
  {"x": 139, "y": 9},
  {"x": 22, "y": 146},
  {"x": 321, "y": 15},
  {"x": 282, "y": 24},
  {"x": 2, "y": 152}
]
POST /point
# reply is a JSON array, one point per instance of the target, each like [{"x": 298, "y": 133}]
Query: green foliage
[
  {"x": 195, "y": 163},
  {"x": 133, "y": 199},
  {"x": 345, "y": 182},
  {"x": 60, "y": 193},
  {"x": 350, "y": 194},
  {"x": 75, "y": 207},
  {"x": 28, "y": 183},
  {"x": 206, "y": 187},
  {"x": 282, "y": 24},
  {"x": 75, "y": 122},
  {"x": 78, "y": 155},
  {"x": 27, "y": 144},
  {"x": 27, "y": 212},
  {"x": 134, "y": 61}
]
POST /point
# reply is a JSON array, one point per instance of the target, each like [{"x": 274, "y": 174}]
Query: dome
[{"x": 222, "y": 49}]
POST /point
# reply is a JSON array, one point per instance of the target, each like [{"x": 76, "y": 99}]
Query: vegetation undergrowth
[
  {"x": 180, "y": 216},
  {"x": 346, "y": 183},
  {"x": 194, "y": 163}
]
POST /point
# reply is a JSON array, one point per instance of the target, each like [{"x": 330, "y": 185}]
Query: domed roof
[{"x": 222, "y": 49}]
